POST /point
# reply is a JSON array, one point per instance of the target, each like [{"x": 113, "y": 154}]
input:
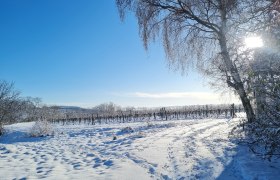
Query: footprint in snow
[
  {"x": 24, "y": 178},
  {"x": 97, "y": 160},
  {"x": 41, "y": 162},
  {"x": 165, "y": 177},
  {"x": 90, "y": 155},
  {"x": 108, "y": 163},
  {"x": 39, "y": 168},
  {"x": 77, "y": 166},
  {"x": 152, "y": 170},
  {"x": 96, "y": 165},
  {"x": 40, "y": 171},
  {"x": 43, "y": 170},
  {"x": 26, "y": 153}
]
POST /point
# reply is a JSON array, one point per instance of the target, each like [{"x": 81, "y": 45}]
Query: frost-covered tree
[
  {"x": 30, "y": 110},
  {"x": 262, "y": 77},
  {"x": 264, "y": 71},
  {"x": 206, "y": 33},
  {"x": 10, "y": 104},
  {"x": 107, "y": 109}
]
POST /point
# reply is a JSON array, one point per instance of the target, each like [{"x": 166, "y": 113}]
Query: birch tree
[{"x": 202, "y": 33}]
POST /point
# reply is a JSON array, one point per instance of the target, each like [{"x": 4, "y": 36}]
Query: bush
[
  {"x": 261, "y": 136},
  {"x": 41, "y": 129},
  {"x": 265, "y": 138},
  {"x": 127, "y": 130}
]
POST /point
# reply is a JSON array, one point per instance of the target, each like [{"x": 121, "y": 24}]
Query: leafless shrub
[{"x": 41, "y": 128}]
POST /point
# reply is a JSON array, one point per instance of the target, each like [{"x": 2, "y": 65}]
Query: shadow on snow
[{"x": 18, "y": 137}]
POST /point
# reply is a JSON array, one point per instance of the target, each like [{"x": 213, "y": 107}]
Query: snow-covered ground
[{"x": 182, "y": 149}]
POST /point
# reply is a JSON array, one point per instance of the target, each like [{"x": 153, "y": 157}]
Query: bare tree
[
  {"x": 10, "y": 104},
  {"x": 30, "y": 110},
  {"x": 108, "y": 109},
  {"x": 202, "y": 33}
]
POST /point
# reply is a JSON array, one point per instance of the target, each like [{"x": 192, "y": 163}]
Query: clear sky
[{"x": 71, "y": 52}]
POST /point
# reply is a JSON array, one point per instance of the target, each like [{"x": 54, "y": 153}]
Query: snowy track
[{"x": 190, "y": 149}]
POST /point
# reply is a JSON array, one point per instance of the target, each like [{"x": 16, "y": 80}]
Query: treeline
[
  {"x": 15, "y": 108},
  {"x": 111, "y": 113}
]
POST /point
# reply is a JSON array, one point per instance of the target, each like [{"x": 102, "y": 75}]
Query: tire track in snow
[
  {"x": 172, "y": 167},
  {"x": 179, "y": 156},
  {"x": 207, "y": 159},
  {"x": 154, "y": 136}
]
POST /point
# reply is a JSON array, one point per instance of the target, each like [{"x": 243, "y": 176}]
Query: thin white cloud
[
  {"x": 79, "y": 104},
  {"x": 199, "y": 95},
  {"x": 184, "y": 98}
]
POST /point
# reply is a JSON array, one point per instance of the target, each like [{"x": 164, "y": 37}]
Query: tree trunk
[
  {"x": 237, "y": 83},
  {"x": 247, "y": 105}
]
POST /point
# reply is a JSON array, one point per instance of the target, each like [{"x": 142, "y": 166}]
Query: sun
[{"x": 253, "y": 42}]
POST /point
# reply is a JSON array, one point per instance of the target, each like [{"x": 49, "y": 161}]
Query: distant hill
[{"x": 70, "y": 108}]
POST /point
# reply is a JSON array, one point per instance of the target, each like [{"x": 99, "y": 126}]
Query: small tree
[{"x": 10, "y": 104}]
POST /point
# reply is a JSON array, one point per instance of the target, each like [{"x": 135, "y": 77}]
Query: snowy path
[
  {"x": 190, "y": 149},
  {"x": 195, "y": 151}
]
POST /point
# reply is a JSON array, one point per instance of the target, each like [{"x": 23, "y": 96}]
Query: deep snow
[{"x": 182, "y": 149}]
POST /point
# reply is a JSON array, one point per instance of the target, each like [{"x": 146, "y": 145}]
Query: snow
[{"x": 180, "y": 149}]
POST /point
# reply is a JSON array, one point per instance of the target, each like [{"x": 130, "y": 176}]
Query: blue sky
[{"x": 71, "y": 52}]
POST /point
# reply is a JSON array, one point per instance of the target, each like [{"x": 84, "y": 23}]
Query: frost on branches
[
  {"x": 41, "y": 128},
  {"x": 266, "y": 92},
  {"x": 264, "y": 85}
]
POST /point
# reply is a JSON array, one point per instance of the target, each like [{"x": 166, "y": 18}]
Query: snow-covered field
[{"x": 182, "y": 149}]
